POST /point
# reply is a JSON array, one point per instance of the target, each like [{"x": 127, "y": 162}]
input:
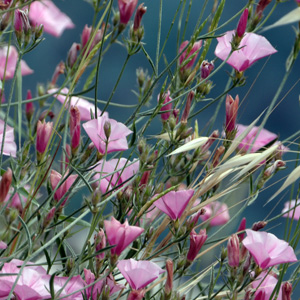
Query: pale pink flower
[
  {"x": 117, "y": 139},
  {"x": 192, "y": 55},
  {"x": 46, "y": 13},
  {"x": 126, "y": 9},
  {"x": 252, "y": 48},
  {"x": 12, "y": 59},
  {"x": 295, "y": 209},
  {"x": 264, "y": 138},
  {"x": 267, "y": 250},
  {"x": 217, "y": 212},
  {"x": 85, "y": 107},
  {"x": 55, "y": 179},
  {"x": 10, "y": 147},
  {"x": 165, "y": 116},
  {"x": 120, "y": 235},
  {"x": 196, "y": 243},
  {"x": 174, "y": 203},
  {"x": 139, "y": 273},
  {"x": 107, "y": 182}
]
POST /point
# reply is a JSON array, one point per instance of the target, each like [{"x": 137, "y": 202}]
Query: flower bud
[
  {"x": 193, "y": 219},
  {"x": 107, "y": 129},
  {"x": 21, "y": 23},
  {"x": 141, "y": 10},
  {"x": 231, "y": 113},
  {"x": 43, "y": 133},
  {"x": 262, "y": 4},
  {"x": 196, "y": 243},
  {"x": 60, "y": 69},
  {"x": 217, "y": 155},
  {"x": 49, "y": 217},
  {"x": 72, "y": 55},
  {"x": 86, "y": 35},
  {"x": 259, "y": 225},
  {"x": 241, "y": 28},
  {"x": 286, "y": 291},
  {"x": 169, "y": 282},
  {"x": 206, "y": 68},
  {"x": 187, "y": 108},
  {"x": 278, "y": 164},
  {"x": 29, "y": 108},
  {"x": 212, "y": 138},
  {"x": 74, "y": 128},
  {"x": 126, "y": 9},
  {"x": 100, "y": 243},
  {"x": 242, "y": 227},
  {"x": 165, "y": 98},
  {"x": 233, "y": 251},
  {"x": 5, "y": 183}
]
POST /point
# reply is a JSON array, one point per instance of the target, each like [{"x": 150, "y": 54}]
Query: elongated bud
[
  {"x": 286, "y": 291},
  {"x": 193, "y": 219},
  {"x": 100, "y": 243},
  {"x": 259, "y": 225},
  {"x": 169, "y": 282},
  {"x": 196, "y": 243},
  {"x": 74, "y": 128},
  {"x": 60, "y": 69},
  {"x": 43, "y": 133},
  {"x": 242, "y": 227},
  {"x": 126, "y": 9},
  {"x": 212, "y": 138},
  {"x": 29, "y": 108},
  {"x": 21, "y": 23},
  {"x": 241, "y": 28},
  {"x": 262, "y": 4},
  {"x": 168, "y": 107},
  {"x": 86, "y": 35},
  {"x": 206, "y": 68},
  {"x": 187, "y": 108},
  {"x": 231, "y": 112},
  {"x": 5, "y": 183},
  {"x": 233, "y": 251},
  {"x": 72, "y": 55},
  {"x": 219, "y": 152},
  {"x": 49, "y": 217},
  {"x": 107, "y": 129},
  {"x": 141, "y": 10}
]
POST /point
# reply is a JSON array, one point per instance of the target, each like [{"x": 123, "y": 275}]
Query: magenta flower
[
  {"x": 12, "y": 59},
  {"x": 253, "y": 47},
  {"x": 10, "y": 147},
  {"x": 116, "y": 141},
  {"x": 217, "y": 212},
  {"x": 174, "y": 203},
  {"x": 264, "y": 138},
  {"x": 46, "y": 13},
  {"x": 241, "y": 28},
  {"x": 267, "y": 250},
  {"x": 126, "y": 8},
  {"x": 192, "y": 55},
  {"x": 120, "y": 235},
  {"x": 295, "y": 209},
  {"x": 55, "y": 179},
  {"x": 196, "y": 243},
  {"x": 85, "y": 107},
  {"x": 107, "y": 181},
  {"x": 139, "y": 273}
]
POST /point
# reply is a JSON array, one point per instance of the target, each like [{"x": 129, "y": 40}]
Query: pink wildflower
[
  {"x": 217, "y": 212},
  {"x": 10, "y": 147},
  {"x": 174, "y": 203},
  {"x": 252, "y": 48},
  {"x": 120, "y": 235},
  {"x": 295, "y": 209},
  {"x": 126, "y": 8},
  {"x": 12, "y": 59},
  {"x": 46, "y": 13},
  {"x": 267, "y": 250},
  {"x": 116, "y": 141},
  {"x": 139, "y": 273}
]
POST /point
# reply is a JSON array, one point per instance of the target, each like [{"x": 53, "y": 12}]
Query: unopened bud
[
  {"x": 242, "y": 227},
  {"x": 193, "y": 219},
  {"x": 216, "y": 159},
  {"x": 211, "y": 139},
  {"x": 259, "y": 225},
  {"x": 286, "y": 291},
  {"x": 206, "y": 68},
  {"x": 100, "y": 243},
  {"x": 60, "y": 69},
  {"x": 241, "y": 28},
  {"x": 141, "y": 10},
  {"x": 49, "y": 217},
  {"x": 187, "y": 108},
  {"x": 29, "y": 108},
  {"x": 72, "y": 55},
  {"x": 74, "y": 128},
  {"x": 278, "y": 164},
  {"x": 96, "y": 198},
  {"x": 5, "y": 183},
  {"x": 233, "y": 251},
  {"x": 169, "y": 282},
  {"x": 107, "y": 129}
]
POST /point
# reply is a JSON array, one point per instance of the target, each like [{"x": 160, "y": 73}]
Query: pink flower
[
  {"x": 217, "y": 212},
  {"x": 166, "y": 98},
  {"x": 10, "y": 147},
  {"x": 126, "y": 8},
  {"x": 267, "y": 250},
  {"x": 116, "y": 141},
  {"x": 85, "y": 107},
  {"x": 192, "y": 55},
  {"x": 46, "y": 13},
  {"x": 18, "y": 200},
  {"x": 5, "y": 184},
  {"x": 174, "y": 203},
  {"x": 295, "y": 209},
  {"x": 55, "y": 179},
  {"x": 107, "y": 182},
  {"x": 120, "y": 235},
  {"x": 253, "y": 47},
  {"x": 12, "y": 59},
  {"x": 264, "y": 138},
  {"x": 139, "y": 273},
  {"x": 3, "y": 245},
  {"x": 196, "y": 243}
]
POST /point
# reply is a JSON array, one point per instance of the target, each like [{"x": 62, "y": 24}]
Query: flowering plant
[{"x": 123, "y": 186}]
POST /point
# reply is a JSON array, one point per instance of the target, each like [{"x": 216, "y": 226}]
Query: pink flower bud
[
  {"x": 241, "y": 228},
  {"x": 262, "y": 4},
  {"x": 141, "y": 10},
  {"x": 72, "y": 54},
  {"x": 215, "y": 134},
  {"x": 100, "y": 243},
  {"x": 49, "y": 217},
  {"x": 193, "y": 219},
  {"x": 217, "y": 155},
  {"x": 231, "y": 112},
  {"x": 206, "y": 68},
  {"x": 74, "y": 128},
  {"x": 278, "y": 164},
  {"x": 60, "y": 69},
  {"x": 43, "y": 133},
  {"x": 166, "y": 98},
  {"x": 29, "y": 108},
  {"x": 241, "y": 28},
  {"x": 187, "y": 108},
  {"x": 126, "y": 8},
  {"x": 21, "y": 22},
  {"x": 286, "y": 291},
  {"x": 5, "y": 184},
  {"x": 259, "y": 225},
  {"x": 196, "y": 243},
  {"x": 137, "y": 294},
  {"x": 169, "y": 282},
  {"x": 86, "y": 35},
  {"x": 233, "y": 251},
  {"x": 187, "y": 58}
]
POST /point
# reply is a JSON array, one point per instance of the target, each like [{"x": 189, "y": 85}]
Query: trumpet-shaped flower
[
  {"x": 251, "y": 48},
  {"x": 217, "y": 212},
  {"x": 120, "y": 235},
  {"x": 11, "y": 57},
  {"x": 264, "y": 138},
  {"x": 174, "y": 203},
  {"x": 107, "y": 182},
  {"x": 85, "y": 107},
  {"x": 294, "y": 208},
  {"x": 10, "y": 147},
  {"x": 45, "y": 12},
  {"x": 267, "y": 250},
  {"x": 114, "y": 141},
  {"x": 139, "y": 273}
]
